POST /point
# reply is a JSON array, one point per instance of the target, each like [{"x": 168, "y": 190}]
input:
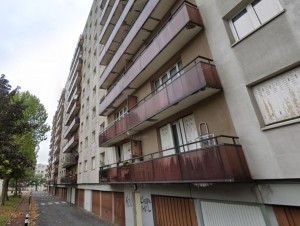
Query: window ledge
[
  {"x": 240, "y": 40},
  {"x": 280, "y": 124}
]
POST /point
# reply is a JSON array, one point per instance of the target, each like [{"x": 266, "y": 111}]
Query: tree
[
  {"x": 11, "y": 125},
  {"x": 37, "y": 180},
  {"x": 28, "y": 142}
]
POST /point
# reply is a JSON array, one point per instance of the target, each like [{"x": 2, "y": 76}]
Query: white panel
[
  {"x": 167, "y": 140},
  {"x": 73, "y": 195},
  {"x": 88, "y": 200},
  {"x": 190, "y": 131},
  {"x": 126, "y": 151},
  {"x": 279, "y": 98},
  {"x": 222, "y": 214}
]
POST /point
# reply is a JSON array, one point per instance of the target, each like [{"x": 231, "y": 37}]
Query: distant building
[
  {"x": 182, "y": 113},
  {"x": 41, "y": 169}
]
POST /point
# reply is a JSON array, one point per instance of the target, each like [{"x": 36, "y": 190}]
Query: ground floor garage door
[
  {"x": 174, "y": 211},
  {"x": 287, "y": 215},
  {"x": 224, "y": 214}
]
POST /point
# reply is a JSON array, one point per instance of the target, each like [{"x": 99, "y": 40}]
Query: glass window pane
[
  {"x": 164, "y": 78},
  {"x": 173, "y": 72},
  {"x": 265, "y": 9},
  {"x": 242, "y": 24}
]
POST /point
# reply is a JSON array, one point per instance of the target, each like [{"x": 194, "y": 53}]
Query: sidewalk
[{"x": 22, "y": 210}]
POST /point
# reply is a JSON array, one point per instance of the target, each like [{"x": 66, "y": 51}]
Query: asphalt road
[{"x": 55, "y": 212}]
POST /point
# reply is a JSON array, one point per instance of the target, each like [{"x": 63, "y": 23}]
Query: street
[{"x": 53, "y": 211}]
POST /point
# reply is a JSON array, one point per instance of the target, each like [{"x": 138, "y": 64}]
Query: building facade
[{"x": 182, "y": 113}]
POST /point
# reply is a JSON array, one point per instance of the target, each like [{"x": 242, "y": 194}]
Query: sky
[{"x": 37, "y": 43}]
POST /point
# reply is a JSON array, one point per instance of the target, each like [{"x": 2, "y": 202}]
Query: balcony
[
  {"x": 71, "y": 103},
  {"x": 106, "y": 11},
  {"x": 56, "y": 159},
  {"x": 222, "y": 162},
  {"x": 181, "y": 27},
  {"x": 196, "y": 81},
  {"x": 71, "y": 144},
  {"x": 128, "y": 17},
  {"x": 75, "y": 89},
  {"x": 71, "y": 180},
  {"x": 72, "y": 127},
  {"x": 56, "y": 150},
  {"x": 111, "y": 20},
  {"x": 57, "y": 139},
  {"x": 73, "y": 112},
  {"x": 70, "y": 160}
]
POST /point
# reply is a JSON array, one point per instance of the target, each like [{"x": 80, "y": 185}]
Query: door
[
  {"x": 190, "y": 130},
  {"x": 138, "y": 209},
  {"x": 167, "y": 142}
]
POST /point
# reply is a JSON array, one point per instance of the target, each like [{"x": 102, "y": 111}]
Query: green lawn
[{"x": 8, "y": 209}]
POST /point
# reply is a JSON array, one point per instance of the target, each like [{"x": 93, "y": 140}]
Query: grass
[{"x": 8, "y": 209}]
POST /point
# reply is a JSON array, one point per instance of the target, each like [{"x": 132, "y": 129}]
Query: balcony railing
[
  {"x": 177, "y": 32},
  {"x": 199, "y": 77},
  {"x": 224, "y": 161},
  {"x": 70, "y": 160},
  {"x": 75, "y": 90},
  {"x": 71, "y": 144},
  {"x": 74, "y": 110},
  {"x": 74, "y": 125},
  {"x": 69, "y": 180}
]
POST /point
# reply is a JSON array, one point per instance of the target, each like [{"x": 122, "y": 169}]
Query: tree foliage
[{"x": 22, "y": 127}]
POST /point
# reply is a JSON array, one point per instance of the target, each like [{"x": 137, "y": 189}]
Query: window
[
  {"x": 253, "y": 16},
  {"x": 86, "y": 142},
  {"x": 168, "y": 77},
  {"x": 93, "y": 136},
  {"x": 120, "y": 114},
  {"x": 93, "y": 163},
  {"x": 278, "y": 98},
  {"x": 85, "y": 165},
  {"x": 94, "y": 112},
  {"x": 80, "y": 168},
  {"x": 94, "y": 91}
]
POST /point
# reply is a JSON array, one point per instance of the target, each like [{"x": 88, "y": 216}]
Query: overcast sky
[{"x": 37, "y": 42}]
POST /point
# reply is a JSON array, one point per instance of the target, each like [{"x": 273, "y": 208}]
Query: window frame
[{"x": 254, "y": 19}]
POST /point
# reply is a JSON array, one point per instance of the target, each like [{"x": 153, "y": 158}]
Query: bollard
[{"x": 27, "y": 220}]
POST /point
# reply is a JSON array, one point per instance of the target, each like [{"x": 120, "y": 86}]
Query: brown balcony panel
[
  {"x": 167, "y": 169},
  {"x": 198, "y": 81},
  {"x": 143, "y": 171},
  {"x": 220, "y": 163},
  {"x": 172, "y": 37}
]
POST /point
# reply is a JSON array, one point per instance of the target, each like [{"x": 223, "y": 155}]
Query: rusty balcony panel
[
  {"x": 167, "y": 169},
  {"x": 216, "y": 163},
  {"x": 143, "y": 171},
  {"x": 196, "y": 76}
]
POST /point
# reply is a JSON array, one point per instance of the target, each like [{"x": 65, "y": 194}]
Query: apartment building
[{"x": 183, "y": 113}]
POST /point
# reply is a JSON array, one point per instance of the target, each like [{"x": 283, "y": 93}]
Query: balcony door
[{"x": 175, "y": 137}]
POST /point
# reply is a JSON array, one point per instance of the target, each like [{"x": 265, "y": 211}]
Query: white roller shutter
[{"x": 223, "y": 214}]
